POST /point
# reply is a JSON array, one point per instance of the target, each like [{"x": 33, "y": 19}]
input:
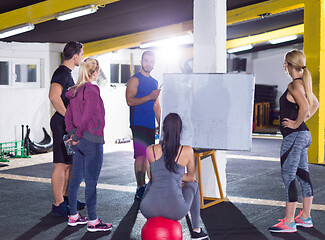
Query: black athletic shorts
[
  {"x": 58, "y": 129},
  {"x": 142, "y": 138}
]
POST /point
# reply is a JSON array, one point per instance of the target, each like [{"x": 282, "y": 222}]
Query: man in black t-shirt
[{"x": 61, "y": 81}]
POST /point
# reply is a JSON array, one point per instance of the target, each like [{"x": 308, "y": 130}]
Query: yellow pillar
[{"x": 314, "y": 48}]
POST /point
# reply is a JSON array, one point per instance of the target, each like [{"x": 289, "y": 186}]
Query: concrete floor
[{"x": 254, "y": 188}]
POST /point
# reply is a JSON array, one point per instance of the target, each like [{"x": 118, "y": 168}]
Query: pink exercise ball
[{"x": 160, "y": 228}]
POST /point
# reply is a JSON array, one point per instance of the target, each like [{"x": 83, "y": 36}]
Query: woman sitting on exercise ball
[{"x": 164, "y": 195}]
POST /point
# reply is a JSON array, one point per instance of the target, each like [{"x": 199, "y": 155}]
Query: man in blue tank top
[{"x": 142, "y": 96}]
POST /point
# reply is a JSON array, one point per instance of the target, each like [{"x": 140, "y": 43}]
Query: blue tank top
[{"x": 143, "y": 114}]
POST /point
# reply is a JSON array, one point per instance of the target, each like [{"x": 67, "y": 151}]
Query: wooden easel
[{"x": 200, "y": 155}]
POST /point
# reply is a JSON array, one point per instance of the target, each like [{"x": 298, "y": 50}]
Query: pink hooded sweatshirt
[{"x": 85, "y": 116}]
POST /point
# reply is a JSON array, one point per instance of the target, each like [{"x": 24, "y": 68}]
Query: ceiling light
[
  {"x": 169, "y": 42},
  {"x": 283, "y": 39},
  {"x": 77, "y": 13},
  {"x": 240, "y": 49},
  {"x": 16, "y": 30}
]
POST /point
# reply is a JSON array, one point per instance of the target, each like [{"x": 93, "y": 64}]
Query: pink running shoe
[
  {"x": 76, "y": 221},
  {"x": 300, "y": 221},
  {"x": 283, "y": 227},
  {"x": 99, "y": 226}
]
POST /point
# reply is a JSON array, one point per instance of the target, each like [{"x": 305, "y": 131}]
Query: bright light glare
[
  {"x": 169, "y": 54},
  {"x": 283, "y": 39},
  {"x": 16, "y": 30},
  {"x": 169, "y": 57},
  {"x": 240, "y": 49},
  {"x": 77, "y": 13},
  {"x": 170, "y": 42}
]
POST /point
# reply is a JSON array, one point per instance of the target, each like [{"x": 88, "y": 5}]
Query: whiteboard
[{"x": 216, "y": 109}]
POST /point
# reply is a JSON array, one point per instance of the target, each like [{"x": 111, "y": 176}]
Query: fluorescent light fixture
[
  {"x": 283, "y": 39},
  {"x": 240, "y": 49},
  {"x": 16, "y": 30},
  {"x": 169, "y": 42},
  {"x": 77, "y": 13}
]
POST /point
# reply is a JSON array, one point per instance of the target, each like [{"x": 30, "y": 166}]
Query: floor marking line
[
  {"x": 116, "y": 187},
  {"x": 25, "y": 178},
  {"x": 267, "y": 136},
  {"x": 124, "y": 188},
  {"x": 267, "y": 202},
  {"x": 253, "y": 158}
]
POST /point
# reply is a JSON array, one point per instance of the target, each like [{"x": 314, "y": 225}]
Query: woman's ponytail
[
  {"x": 306, "y": 77},
  {"x": 87, "y": 68}
]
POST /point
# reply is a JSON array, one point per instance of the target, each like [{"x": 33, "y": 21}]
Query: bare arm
[
  {"x": 55, "y": 98},
  {"x": 314, "y": 108},
  {"x": 297, "y": 91},
  {"x": 131, "y": 92},
  {"x": 157, "y": 109},
  {"x": 190, "y": 175},
  {"x": 149, "y": 159},
  {"x": 148, "y": 169}
]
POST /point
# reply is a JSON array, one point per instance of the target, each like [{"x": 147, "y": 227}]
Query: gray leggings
[
  {"x": 152, "y": 206},
  {"x": 294, "y": 162}
]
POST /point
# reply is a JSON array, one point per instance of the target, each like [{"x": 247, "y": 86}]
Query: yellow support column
[{"x": 314, "y": 48}]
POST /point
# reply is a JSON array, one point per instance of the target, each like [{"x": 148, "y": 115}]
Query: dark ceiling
[{"x": 131, "y": 16}]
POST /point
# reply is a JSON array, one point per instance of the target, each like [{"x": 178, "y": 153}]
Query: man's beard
[{"x": 147, "y": 71}]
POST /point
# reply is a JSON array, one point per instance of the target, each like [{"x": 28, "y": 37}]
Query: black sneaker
[
  {"x": 80, "y": 205},
  {"x": 198, "y": 236},
  {"x": 140, "y": 191},
  {"x": 61, "y": 211}
]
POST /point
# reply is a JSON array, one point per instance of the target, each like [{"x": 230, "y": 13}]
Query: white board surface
[{"x": 216, "y": 109}]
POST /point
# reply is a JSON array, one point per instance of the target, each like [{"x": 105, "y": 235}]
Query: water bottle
[{"x": 68, "y": 145}]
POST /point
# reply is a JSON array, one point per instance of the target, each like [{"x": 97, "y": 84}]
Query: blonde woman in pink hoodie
[{"x": 85, "y": 121}]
